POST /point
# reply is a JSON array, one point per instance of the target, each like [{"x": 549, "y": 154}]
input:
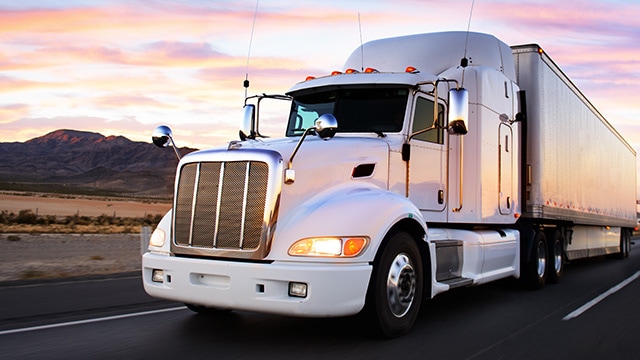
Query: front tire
[
  {"x": 208, "y": 311},
  {"x": 395, "y": 292}
]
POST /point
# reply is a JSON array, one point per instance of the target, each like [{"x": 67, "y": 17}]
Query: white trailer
[
  {"x": 427, "y": 173},
  {"x": 579, "y": 171}
]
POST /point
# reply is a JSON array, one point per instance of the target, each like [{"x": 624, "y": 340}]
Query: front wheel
[{"x": 396, "y": 286}]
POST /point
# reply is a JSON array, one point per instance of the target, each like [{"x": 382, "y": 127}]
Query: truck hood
[{"x": 320, "y": 165}]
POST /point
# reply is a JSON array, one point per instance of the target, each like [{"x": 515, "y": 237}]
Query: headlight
[
  {"x": 157, "y": 238},
  {"x": 329, "y": 247}
]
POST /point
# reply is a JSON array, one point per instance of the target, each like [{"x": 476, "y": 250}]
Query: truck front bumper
[{"x": 332, "y": 289}]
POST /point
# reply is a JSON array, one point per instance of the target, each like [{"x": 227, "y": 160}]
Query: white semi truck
[{"x": 423, "y": 173}]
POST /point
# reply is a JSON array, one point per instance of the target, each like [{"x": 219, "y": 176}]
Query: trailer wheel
[
  {"x": 555, "y": 259},
  {"x": 395, "y": 291},
  {"x": 535, "y": 269}
]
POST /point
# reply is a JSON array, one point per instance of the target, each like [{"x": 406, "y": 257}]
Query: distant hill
[{"x": 82, "y": 162}]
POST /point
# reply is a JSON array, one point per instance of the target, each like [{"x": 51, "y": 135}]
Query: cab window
[{"x": 423, "y": 118}]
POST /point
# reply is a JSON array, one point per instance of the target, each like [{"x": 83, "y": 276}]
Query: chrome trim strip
[
  {"x": 218, "y": 204},
  {"x": 244, "y": 203},
  {"x": 194, "y": 199}
]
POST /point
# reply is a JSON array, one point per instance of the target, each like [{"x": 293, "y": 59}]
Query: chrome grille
[{"x": 221, "y": 205}]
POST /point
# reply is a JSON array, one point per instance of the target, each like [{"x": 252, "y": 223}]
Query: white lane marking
[
  {"x": 595, "y": 301},
  {"x": 89, "y": 321},
  {"x": 68, "y": 282}
]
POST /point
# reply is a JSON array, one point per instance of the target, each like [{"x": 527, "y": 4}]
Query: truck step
[{"x": 458, "y": 282}]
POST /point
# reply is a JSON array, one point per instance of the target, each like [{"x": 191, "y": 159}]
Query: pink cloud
[
  {"x": 121, "y": 101},
  {"x": 11, "y": 84},
  {"x": 12, "y": 111}
]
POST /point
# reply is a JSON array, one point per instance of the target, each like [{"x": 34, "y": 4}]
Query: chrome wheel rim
[
  {"x": 401, "y": 285},
  {"x": 542, "y": 259},
  {"x": 557, "y": 257}
]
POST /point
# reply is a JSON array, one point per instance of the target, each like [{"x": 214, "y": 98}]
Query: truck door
[{"x": 428, "y": 163}]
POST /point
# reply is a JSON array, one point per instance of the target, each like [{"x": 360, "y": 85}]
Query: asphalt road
[{"x": 113, "y": 318}]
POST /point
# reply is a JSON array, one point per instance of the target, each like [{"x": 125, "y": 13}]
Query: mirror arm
[
  {"x": 295, "y": 150},
  {"x": 175, "y": 149}
]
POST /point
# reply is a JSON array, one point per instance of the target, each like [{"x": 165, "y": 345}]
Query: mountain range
[{"x": 80, "y": 162}]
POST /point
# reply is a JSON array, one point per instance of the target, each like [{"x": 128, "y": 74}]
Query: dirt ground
[
  {"x": 38, "y": 256},
  {"x": 82, "y": 206}
]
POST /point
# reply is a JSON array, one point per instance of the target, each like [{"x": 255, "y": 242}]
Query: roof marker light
[
  {"x": 370, "y": 70},
  {"x": 351, "y": 71},
  {"x": 411, "y": 70},
  {"x": 540, "y": 51},
  {"x": 334, "y": 73},
  {"x": 309, "y": 78}
]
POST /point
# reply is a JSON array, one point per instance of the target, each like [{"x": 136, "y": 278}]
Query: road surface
[{"x": 594, "y": 313}]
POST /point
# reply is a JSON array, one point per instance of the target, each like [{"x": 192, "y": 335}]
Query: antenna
[
  {"x": 464, "y": 62},
  {"x": 253, "y": 26},
  {"x": 361, "y": 47}
]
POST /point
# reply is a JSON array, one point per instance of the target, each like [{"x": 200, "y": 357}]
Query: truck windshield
[{"x": 377, "y": 110}]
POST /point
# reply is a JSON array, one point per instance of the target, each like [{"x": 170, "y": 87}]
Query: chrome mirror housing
[
  {"x": 326, "y": 126},
  {"x": 162, "y": 137}
]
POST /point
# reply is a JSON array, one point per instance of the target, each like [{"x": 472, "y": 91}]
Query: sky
[{"x": 122, "y": 67}]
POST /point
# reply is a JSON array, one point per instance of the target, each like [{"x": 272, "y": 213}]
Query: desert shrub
[
  {"x": 26, "y": 217},
  {"x": 105, "y": 219},
  {"x": 152, "y": 220},
  {"x": 46, "y": 220},
  {"x": 4, "y": 217},
  {"x": 32, "y": 274},
  {"x": 75, "y": 223}
]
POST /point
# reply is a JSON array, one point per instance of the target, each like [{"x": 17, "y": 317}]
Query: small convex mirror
[
  {"x": 326, "y": 126},
  {"x": 161, "y": 136},
  {"x": 458, "y": 111}
]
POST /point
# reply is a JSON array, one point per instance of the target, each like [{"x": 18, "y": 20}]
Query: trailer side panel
[{"x": 579, "y": 168}]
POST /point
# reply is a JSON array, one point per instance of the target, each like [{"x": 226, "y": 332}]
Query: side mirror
[
  {"x": 458, "y": 111},
  {"x": 162, "y": 137},
  {"x": 326, "y": 126},
  {"x": 247, "y": 127}
]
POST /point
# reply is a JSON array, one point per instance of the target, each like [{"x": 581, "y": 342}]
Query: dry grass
[
  {"x": 71, "y": 229},
  {"x": 68, "y": 205}
]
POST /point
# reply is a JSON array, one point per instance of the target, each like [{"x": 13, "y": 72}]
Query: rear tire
[
  {"x": 535, "y": 269},
  {"x": 555, "y": 258},
  {"x": 625, "y": 244},
  {"x": 396, "y": 287}
]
